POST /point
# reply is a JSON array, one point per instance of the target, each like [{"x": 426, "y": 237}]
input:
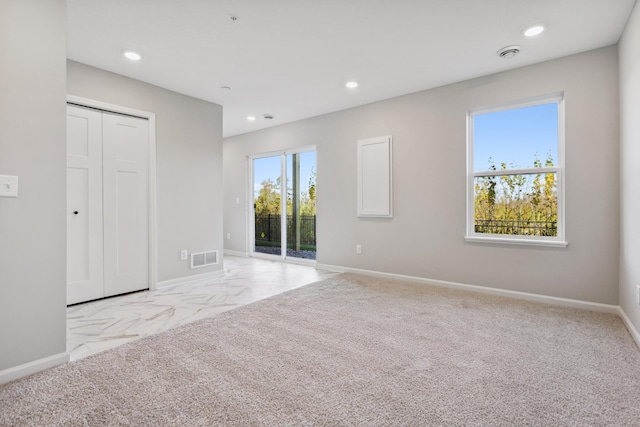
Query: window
[{"x": 515, "y": 172}]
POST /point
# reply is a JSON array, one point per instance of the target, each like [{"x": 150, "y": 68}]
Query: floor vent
[{"x": 203, "y": 259}]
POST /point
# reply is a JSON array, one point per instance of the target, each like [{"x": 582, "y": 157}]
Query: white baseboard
[
  {"x": 33, "y": 367},
  {"x": 190, "y": 279},
  {"x": 564, "y": 302},
  {"x": 236, "y": 253},
  {"x": 301, "y": 261},
  {"x": 632, "y": 329}
]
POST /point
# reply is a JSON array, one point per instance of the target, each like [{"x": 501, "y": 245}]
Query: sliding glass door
[
  {"x": 267, "y": 206},
  {"x": 284, "y": 205}
]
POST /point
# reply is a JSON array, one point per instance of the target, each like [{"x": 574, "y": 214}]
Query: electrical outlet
[
  {"x": 228, "y": 236},
  {"x": 183, "y": 254},
  {"x": 358, "y": 249}
]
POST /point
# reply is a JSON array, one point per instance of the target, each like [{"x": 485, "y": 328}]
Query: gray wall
[
  {"x": 189, "y": 162},
  {"x": 630, "y": 165},
  {"x": 425, "y": 236},
  {"x": 33, "y": 146}
]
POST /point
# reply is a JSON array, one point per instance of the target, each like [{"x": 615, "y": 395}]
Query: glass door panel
[
  {"x": 267, "y": 194},
  {"x": 301, "y": 205}
]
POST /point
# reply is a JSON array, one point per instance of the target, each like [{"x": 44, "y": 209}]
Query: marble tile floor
[{"x": 100, "y": 325}]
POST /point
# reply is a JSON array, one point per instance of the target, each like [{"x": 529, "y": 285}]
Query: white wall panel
[{"x": 33, "y": 147}]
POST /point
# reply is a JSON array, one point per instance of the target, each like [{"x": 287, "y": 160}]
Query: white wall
[
  {"x": 189, "y": 163},
  {"x": 33, "y": 146},
  {"x": 425, "y": 237},
  {"x": 629, "y": 47}
]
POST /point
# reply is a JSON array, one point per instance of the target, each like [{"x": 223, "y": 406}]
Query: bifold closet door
[
  {"x": 107, "y": 204},
  {"x": 84, "y": 205},
  {"x": 126, "y": 205}
]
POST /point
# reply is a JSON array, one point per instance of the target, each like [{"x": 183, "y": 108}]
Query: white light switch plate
[{"x": 8, "y": 186}]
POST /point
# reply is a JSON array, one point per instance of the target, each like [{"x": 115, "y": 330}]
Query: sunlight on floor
[{"x": 100, "y": 325}]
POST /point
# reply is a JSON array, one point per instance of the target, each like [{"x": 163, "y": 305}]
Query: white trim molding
[
  {"x": 300, "y": 261},
  {"x": 190, "y": 279},
  {"x": 632, "y": 330},
  {"x": 563, "y": 302},
  {"x": 236, "y": 253},
  {"x": 515, "y": 241},
  {"x": 286, "y": 259},
  {"x": 25, "y": 369}
]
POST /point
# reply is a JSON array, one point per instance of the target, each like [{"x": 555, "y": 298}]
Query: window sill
[{"x": 516, "y": 241}]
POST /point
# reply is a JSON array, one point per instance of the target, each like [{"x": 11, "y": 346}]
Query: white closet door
[
  {"x": 125, "y": 186},
  {"x": 84, "y": 205}
]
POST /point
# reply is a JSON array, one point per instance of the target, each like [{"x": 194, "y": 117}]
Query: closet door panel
[
  {"x": 84, "y": 205},
  {"x": 126, "y": 226}
]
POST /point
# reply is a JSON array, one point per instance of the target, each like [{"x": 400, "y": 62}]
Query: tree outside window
[{"x": 515, "y": 171}]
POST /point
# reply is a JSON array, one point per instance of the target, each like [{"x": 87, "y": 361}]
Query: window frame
[{"x": 471, "y": 235}]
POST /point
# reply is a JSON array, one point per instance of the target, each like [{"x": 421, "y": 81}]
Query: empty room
[{"x": 218, "y": 212}]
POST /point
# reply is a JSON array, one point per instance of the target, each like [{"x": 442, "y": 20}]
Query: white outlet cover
[{"x": 8, "y": 186}]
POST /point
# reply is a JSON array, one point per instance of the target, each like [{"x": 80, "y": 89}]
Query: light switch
[{"x": 8, "y": 186}]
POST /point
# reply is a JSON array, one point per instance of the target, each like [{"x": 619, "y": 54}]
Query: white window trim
[{"x": 471, "y": 235}]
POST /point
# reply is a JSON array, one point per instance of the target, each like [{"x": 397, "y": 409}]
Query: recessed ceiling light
[
  {"x": 251, "y": 118},
  {"x": 134, "y": 56},
  {"x": 352, "y": 85},
  {"x": 534, "y": 30}
]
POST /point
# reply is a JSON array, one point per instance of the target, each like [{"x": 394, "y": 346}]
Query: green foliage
[
  {"x": 517, "y": 204},
  {"x": 308, "y": 198},
  {"x": 268, "y": 199}
]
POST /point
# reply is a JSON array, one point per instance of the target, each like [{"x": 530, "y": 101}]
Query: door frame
[
  {"x": 251, "y": 229},
  {"x": 152, "y": 195}
]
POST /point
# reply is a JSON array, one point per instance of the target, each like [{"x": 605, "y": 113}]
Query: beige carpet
[{"x": 353, "y": 351}]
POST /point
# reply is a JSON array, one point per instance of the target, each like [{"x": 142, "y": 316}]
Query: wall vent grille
[{"x": 204, "y": 259}]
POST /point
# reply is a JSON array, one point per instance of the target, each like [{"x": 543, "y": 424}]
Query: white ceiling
[{"x": 292, "y": 58}]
